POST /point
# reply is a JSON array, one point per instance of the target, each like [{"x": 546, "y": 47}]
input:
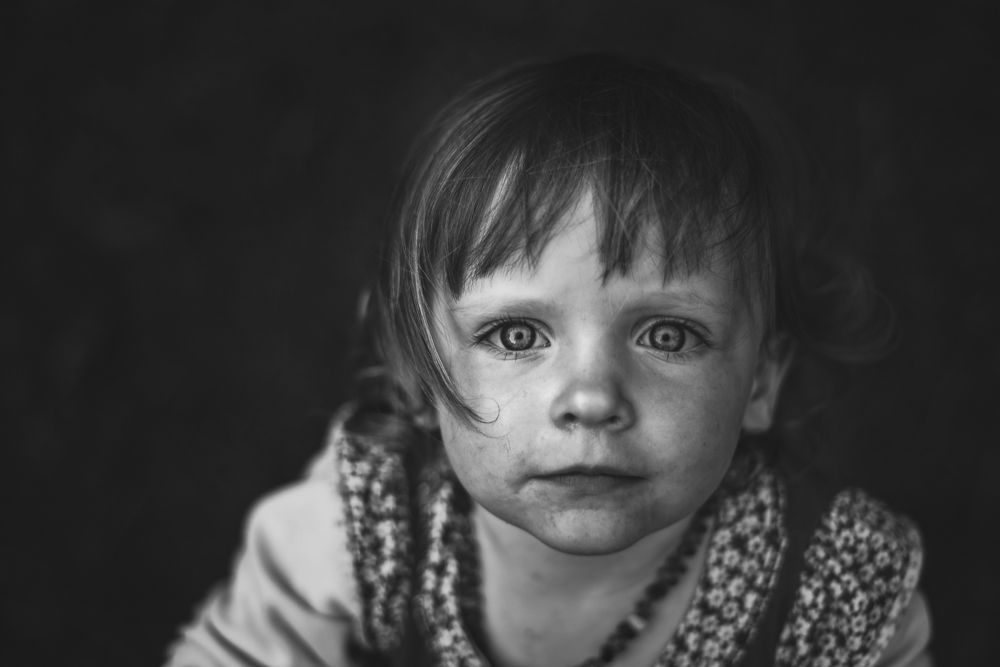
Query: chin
[{"x": 588, "y": 536}]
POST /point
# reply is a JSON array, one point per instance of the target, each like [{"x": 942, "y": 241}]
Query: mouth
[
  {"x": 590, "y": 471},
  {"x": 592, "y": 479}
]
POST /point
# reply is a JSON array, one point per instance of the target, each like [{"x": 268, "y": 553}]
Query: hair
[{"x": 706, "y": 169}]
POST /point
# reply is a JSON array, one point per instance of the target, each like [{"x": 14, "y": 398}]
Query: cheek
[
  {"x": 701, "y": 420},
  {"x": 483, "y": 459},
  {"x": 509, "y": 404},
  {"x": 492, "y": 456}
]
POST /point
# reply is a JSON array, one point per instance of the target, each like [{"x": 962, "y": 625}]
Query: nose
[{"x": 592, "y": 397}]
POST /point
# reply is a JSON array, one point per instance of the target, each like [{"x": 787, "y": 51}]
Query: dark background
[{"x": 190, "y": 195}]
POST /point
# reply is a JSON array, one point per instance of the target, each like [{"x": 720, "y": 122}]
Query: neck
[{"x": 528, "y": 566}]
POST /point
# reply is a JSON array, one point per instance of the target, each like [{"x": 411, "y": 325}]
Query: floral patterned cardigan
[{"x": 325, "y": 568}]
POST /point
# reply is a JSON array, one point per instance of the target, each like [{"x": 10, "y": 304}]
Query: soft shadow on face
[{"x": 611, "y": 407}]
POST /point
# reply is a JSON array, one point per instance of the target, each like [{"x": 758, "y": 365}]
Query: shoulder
[
  {"x": 860, "y": 571},
  {"x": 862, "y": 543},
  {"x": 292, "y": 594},
  {"x": 301, "y": 531},
  {"x": 298, "y": 533}
]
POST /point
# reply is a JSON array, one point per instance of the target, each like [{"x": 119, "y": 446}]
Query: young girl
[{"x": 599, "y": 274}]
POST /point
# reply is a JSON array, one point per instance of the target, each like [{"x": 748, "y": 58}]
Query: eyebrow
[
  {"x": 494, "y": 305},
  {"x": 694, "y": 300},
  {"x": 686, "y": 299}
]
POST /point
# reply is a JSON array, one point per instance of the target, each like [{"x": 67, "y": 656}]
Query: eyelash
[{"x": 481, "y": 339}]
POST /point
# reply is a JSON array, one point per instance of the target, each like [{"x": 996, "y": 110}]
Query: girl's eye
[
  {"x": 512, "y": 338},
  {"x": 670, "y": 337},
  {"x": 517, "y": 337}
]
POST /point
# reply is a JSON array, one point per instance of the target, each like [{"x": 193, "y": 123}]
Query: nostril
[
  {"x": 569, "y": 418},
  {"x": 614, "y": 420}
]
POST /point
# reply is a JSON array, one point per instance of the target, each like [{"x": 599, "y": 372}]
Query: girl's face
[{"x": 612, "y": 407}]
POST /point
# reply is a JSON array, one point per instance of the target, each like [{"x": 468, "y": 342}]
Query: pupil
[
  {"x": 517, "y": 337},
  {"x": 667, "y": 337}
]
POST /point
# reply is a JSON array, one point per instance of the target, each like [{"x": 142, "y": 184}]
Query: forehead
[
  {"x": 510, "y": 237},
  {"x": 570, "y": 272}
]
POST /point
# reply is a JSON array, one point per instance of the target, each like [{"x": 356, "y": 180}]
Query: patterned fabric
[
  {"x": 373, "y": 485},
  {"x": 743, "y": 561},
  {"x": 440, "y": 575},
  {"x": 861, "y": 568}
]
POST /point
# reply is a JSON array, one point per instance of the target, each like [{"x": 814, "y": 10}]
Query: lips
[
  {"x": 590, "y": 479},
  {"x": 591, "y": 471}
]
